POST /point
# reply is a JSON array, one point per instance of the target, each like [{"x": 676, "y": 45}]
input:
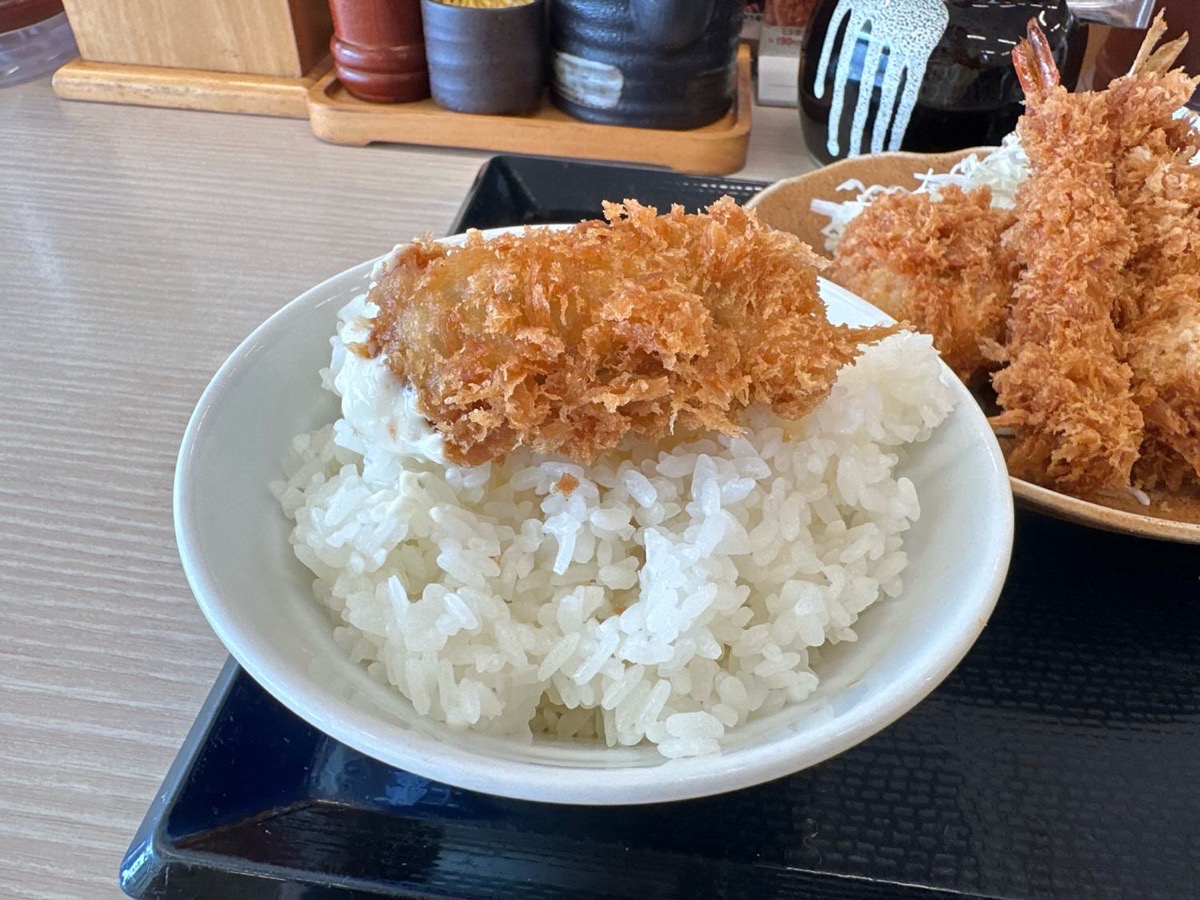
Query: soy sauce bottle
[
  {"x": 938, "y": 73},
  {"x": 1119, "y": 46}
]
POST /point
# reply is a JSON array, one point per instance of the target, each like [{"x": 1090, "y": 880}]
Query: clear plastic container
[{"x": 35, "y": 49}]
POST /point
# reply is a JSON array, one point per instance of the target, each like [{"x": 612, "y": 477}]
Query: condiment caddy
[
  {"x": 714, "y": 149},
  {"x": 275, "y": 63}
]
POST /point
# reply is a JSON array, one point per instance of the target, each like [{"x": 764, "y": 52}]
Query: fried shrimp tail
[
  {"x": 646, "y": 325},
  {"x": 1154, "y": 60},
  {"x": 1033, "y": 61}
]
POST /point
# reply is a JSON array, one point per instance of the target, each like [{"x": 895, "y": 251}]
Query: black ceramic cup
[
  {"x": 645, "y": 63},
  {"x": 487, "y": 60}
]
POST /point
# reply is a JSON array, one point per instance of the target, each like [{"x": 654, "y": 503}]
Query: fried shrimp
[
  {"x": 1160, "y": 314},
  {"x": 1099, "y": 376},
  {"x": 935, "y": 262},
  {"x": 566, "y": 341},
  {"x": 1066, "y": 391}
]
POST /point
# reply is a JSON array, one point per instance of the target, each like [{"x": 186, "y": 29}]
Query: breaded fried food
[
  {"x": 567, "y": 341},
  {"x": 1160, "y": 315},
  {"x": 1066, "y": 391},
  {"x": 936, "y": 262},
  {"x": 1165, "y": 356}
]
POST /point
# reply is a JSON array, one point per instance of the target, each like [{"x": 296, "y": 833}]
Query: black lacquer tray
[
  {"x": 1061, "y": 758},
  {"x": 531, "y": 190}
]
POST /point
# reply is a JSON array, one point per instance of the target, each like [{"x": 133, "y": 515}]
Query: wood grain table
[{"x": 137, "y": 248}]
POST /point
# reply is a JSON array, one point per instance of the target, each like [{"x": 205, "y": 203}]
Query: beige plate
[{"x": 786, "y": 205}]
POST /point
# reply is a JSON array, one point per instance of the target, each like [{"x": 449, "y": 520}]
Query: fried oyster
[{"x": 567, "y": 341}]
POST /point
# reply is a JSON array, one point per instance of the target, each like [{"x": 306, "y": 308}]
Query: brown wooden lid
[{"x": 16, "y": 14}]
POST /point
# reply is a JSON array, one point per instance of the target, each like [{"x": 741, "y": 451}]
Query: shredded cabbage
[{"x": 1002, "y": 169}]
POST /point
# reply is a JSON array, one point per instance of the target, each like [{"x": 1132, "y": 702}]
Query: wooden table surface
[{"x": 137, "y": 248}]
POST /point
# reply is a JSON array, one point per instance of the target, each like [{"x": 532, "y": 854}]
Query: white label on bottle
[
  {"x": 589, "y": 83},
  {"x": 900, "y": 39}
]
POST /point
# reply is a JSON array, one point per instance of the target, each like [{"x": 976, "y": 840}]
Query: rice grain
[{"x": 666, "y": 594}]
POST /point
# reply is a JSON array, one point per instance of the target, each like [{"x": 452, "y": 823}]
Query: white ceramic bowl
[{"x": 233, "y": 542}]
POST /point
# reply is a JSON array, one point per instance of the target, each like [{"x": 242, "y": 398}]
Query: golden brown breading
[
  {"x": 1165, "y": 356},
  {"x": 565, "y": 341},
  {"x": 938, "y": 264},
  {"x": 1101, "y": 365},
  {"x": 1164, "y": 349},
  {"x": 1066, "y": 389},
  {"x": 1160, "y": 315}
]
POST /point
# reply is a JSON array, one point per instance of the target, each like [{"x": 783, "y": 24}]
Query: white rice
[{"x": 673, "y": 594}]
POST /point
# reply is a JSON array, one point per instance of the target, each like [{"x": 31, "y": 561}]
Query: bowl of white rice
[{"x": 673, "y": 621}]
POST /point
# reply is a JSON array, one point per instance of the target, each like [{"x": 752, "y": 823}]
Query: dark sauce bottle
[
  {"x": 969, "y": 94},
  {"x": 645, "y": 63},
  {"x": 1119, "y": 47}
]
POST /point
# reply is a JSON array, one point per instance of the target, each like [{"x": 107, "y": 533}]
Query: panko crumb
[{"x": 566, "y": 341}]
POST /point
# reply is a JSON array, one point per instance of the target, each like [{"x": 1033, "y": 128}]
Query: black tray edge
[{"x": 143, "y": 861}]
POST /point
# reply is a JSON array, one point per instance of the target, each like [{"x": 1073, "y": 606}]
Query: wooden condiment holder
[
  {"x": 283, "y": 38},
  {"x": 250, "y": 56},
  {"x": 716, "y": 149},
  {"x": 174, "y": 57}
]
